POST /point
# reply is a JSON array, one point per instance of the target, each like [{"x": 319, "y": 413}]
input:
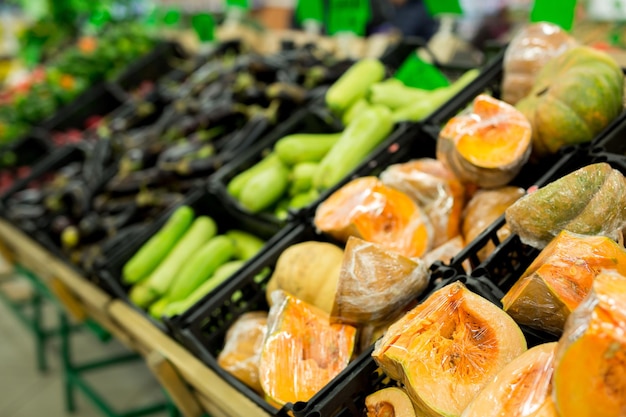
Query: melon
[
  {"x": 389, "y": 402},
  {"x": 448, "y": 348}
]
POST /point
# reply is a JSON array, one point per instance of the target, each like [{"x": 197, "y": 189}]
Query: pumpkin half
[
  {"x": 446, "y": 349},
  {"x": 521, "y": 389},
  {"x": 529, "y": 50},
  {"x": 302, "y": 351},
  {"x": 487, "y": 147},
  {"x": 435, "y": 189},
  {"x": 560, "y": 278},
  {"x": 376, "y": 284},
  {"x": 575, "y": 96},
  {"x": 590, "y": 370},
  {"x": 588, "y": 201},
  {"x": 389, "y": 402},
  {"x": 368, "y": 209}
]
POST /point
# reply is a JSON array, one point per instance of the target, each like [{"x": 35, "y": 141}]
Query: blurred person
[{"x": 411, "y": 18}]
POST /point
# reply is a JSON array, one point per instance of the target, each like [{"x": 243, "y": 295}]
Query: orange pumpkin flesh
[
  {"x": 375, "y": 284},
  {"x": 368, "y": 209},
  {"x": 590, "y": 370},
  {"x": 435, "y": 189},
  {"x": 446, "y": 349},
  {"x": 487, "y": 147},
  {"x": 302, "y": 351},
  {"x": 521, "y": 389},
  {"x": 560, "y": 278}
]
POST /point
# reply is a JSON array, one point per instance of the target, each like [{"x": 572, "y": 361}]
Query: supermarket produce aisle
[{"x": 26, "y": 393}]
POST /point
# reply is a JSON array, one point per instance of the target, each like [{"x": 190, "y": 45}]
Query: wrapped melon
[
  {"x": 446, "y": 252},
  {"x": 368, "y": 209},
  {"x": 588, "y": 201},
  {"x": 521, "y": 389},
  {"x": 575, "y": 96},
  {"x": 242, "y": 348},
  {"x": 529, "y": 51},
  {"x": 449, "y": 347},
  {"x": 309, "y": 271},
  {"x": 389, "y": 402},
  {"x": 302, "y": 351},
  {"x": 376, "y": 284},
  {"x": 483, "y": 209},
  {"x": 560, "y": 278},
  {"x": 435, "y": 189},
  {"x": 487, "y": 147},
  {"x": 590, "y": 368}
]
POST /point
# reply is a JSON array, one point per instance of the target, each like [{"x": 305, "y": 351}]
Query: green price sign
[
  {"x": 310, "y": 10},
  {"x": 439, "y": 7},
  {"x": 172, "y": 17},
  {"x": 415, "y": 72},
  {"x": 242, "y": 4},
  {"x": 559, "y": 12},
  {"x": 204, "y": 26},
  {"x": 348, "y": 16}
]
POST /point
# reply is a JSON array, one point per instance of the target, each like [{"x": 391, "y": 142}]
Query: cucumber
[
  {"x": 148, "y": 257},
  {"x": 265, "y": 188},
  {"x": 238, "y": 182},
  {"x": 354, "y": 84},
  {"x": 302, "y": 177},
  {"x": 158, "y": 283},
  {"x": 361, "y": 137},
  {"x": 247, "y": 245},
  {"x": 305, "y": 147},
  {"x": 201, "y": 266},
  {"x": 221, "y": 274}
]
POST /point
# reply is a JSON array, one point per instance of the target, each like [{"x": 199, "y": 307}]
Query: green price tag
[
  {"x": 310, "y": 10},
  {"x": 99, "y": 18},
  {"x": 204, "y": 26},
  {"x": 559, "y": 12},
  {"x": 152, "y": 19},
  {"x": 172, "y": 17},
  {"x": 348, "y": 16},
  {"x": 415, "y": 72},
  {"x": 439, "y": 7},
  {"x": 242, "y": 4}
]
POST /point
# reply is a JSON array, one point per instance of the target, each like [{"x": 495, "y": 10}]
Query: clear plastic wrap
[
  {"x": 486, "y": 146},
  {"x": 242, "y": 348},
  {"x": 375, "y": 284},
  {"x": 368, "y": 209},
  {"x": 302, "y": 351},
  {"x": 446, "y": 252},
  {"x": 589, "y": 201},
  {"x": 560, "y": 278},
  {"x": 446, "y": 349},
  {"x": 527, "y": 53},
  {"x": 520, "y": 389},
  {"x": 484, "y": 208},
  {"x": 435, "y": 189},
  {"x": 590, "y": 369}
]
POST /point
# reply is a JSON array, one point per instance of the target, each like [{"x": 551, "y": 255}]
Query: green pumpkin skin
[{"x": 575, "y": 96}]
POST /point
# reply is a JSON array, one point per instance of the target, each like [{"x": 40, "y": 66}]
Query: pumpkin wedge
[
  {"x": 435, "y": 189},
  {"x": 449, "y": 347},
  {"x": 560, "y": 278},
  {"x": 590, "y": 370},
  {"x": 588, "y": 201},
  {"x": 487, "y": 147},
  {"x": 574, "y": 97},
  {"x": 483, "y": 209},
  {"x": 521, "y": 389},
  {"x": 375, "y": 284},
  {"x": 389, "y": 402},
  {"x": 368, "y": 209},
  {"x": 242, "y": 348},
  {"x": 302, "y": 351}
]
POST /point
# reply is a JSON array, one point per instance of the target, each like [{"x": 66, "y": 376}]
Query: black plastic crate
[
  {"x": 612, "y": 142},
  {"x": 25, "y": 152},
  {"x": 203, "y": 203}
]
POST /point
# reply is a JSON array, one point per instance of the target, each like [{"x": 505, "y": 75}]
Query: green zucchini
[
  {"x": 236, "y": 185},
  {"x": 158, "y": 283},
  {"x": 221, "y": 274},
  {"x": 148, "y": 257},
  {"x": 265, "y": 188},
  {"x": 392, "y": 93},
  {"x": 304, "y": 199},
  {"x": 302, "y": 177},
  {"x": 361, "y": 137},
  {"x": 247, "y": 245},
  {"x": 201, "y": 266},
  {"x": 354, "y": 84},
  {"x": 354, "y": 110},
  {"x": 305, "y": 147}
]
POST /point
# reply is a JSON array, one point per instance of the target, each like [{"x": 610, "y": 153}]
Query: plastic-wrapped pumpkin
[
  {"x": 575, "y": 96},
  {"x": 530, "y": 49}
]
